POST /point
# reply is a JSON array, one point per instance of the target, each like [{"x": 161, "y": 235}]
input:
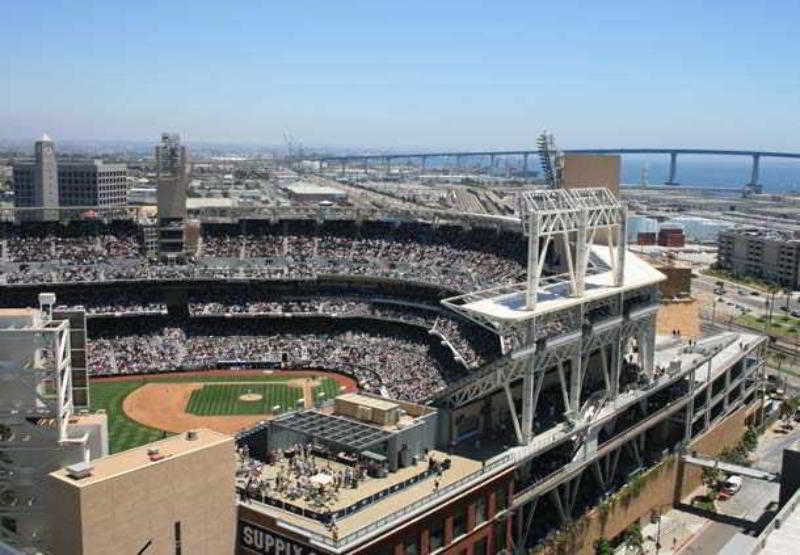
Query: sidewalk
[{"x": 678, "y": 529}]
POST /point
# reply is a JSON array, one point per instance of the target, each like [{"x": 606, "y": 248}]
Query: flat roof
[
  {"x": 329, "y": 428},
  {"x": 313, "y": 189},
  {"x": 381, "y": 404},
  {"x": 458, "y": 475},
  {"x": 510, "y": 307},
  {"x": 138, "y": 457}
]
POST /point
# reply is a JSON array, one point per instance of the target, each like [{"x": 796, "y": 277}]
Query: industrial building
[
  {"x": 310, "y": 192},
  {"x": 772, "y": 255},
  {"x": 47, "y": 183}
]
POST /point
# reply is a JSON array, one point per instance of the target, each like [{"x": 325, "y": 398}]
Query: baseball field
[{"x": 143, "y": 409}]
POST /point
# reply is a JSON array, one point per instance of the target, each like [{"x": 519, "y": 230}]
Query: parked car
[
  {"x": 797, "y": 415},
  {"x": 755, "y": 293},
  {"x": 732, "y": 484}
]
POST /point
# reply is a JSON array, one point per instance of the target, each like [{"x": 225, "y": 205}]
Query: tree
[
  {"x": 710, "y": 476},
  {"x": 634, "y": 540},
  {"x": 603, "y": 547}
]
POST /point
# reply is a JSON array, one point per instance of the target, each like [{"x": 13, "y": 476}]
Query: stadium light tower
[{"x": 550, "y": 159}]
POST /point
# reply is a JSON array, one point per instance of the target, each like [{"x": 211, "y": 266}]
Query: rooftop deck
[{"x": 375, "y": 503}]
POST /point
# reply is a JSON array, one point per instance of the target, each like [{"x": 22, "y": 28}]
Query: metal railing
[{"x": 491, "y": 466}]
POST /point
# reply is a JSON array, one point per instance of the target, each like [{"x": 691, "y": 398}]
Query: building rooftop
[
  {"x": 375, "y": 499},
  {"x": 312, "y": 189},
  {"x": 146, "y": 455}
]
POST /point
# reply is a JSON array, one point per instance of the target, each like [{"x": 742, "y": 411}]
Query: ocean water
[{"x": 775, "y": 174}]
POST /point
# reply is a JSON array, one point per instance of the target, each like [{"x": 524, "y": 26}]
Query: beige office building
[
  {"x": 170, "y": 497},
  {"x": 591, "y": 170}
]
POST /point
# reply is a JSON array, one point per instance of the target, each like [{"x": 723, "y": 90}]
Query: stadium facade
[{"x": 579, "y": 397}]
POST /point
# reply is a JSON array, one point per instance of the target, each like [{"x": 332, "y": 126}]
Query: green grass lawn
[
  {"x": 782, "y": 324},
  {"x": 728, "y": 276},
  {"x": 123, "y": 433},
  {"x": 329, "y": 386},
  {"x": 215, "y": 399}
]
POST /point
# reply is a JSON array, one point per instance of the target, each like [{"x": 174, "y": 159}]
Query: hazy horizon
[{"x": 448, "y": 75}]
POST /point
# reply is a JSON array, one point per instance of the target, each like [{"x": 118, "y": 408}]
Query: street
[{"x": 739, "y": 513}]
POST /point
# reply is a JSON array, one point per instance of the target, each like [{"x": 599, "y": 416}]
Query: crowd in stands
[
  {"x": 401, "y": 367},
  {"x": 77, "y": 245},
  {"x": 116, "y": 302},
  {"x": 95, "y": 251}
]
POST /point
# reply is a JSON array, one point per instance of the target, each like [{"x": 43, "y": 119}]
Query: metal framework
[
  {"x": 329, "y": 428},
  {"x": 570, "y": 217}
]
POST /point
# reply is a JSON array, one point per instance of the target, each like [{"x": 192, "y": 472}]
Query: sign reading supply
[{"x": 256, "y": 539}]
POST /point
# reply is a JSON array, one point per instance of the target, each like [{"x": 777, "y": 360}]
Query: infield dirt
[{"x": 162, "y": 405}]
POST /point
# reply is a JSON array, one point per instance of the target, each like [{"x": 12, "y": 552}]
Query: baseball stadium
[{"x": 484, "y": 381}]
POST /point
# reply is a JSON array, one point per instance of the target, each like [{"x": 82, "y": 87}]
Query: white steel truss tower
[{"x": 581, "y": 309}]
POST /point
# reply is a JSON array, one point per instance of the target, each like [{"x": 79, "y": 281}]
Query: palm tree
[
  {"x": 780, "y": 357},
  {"x": 772, "y": 290}
]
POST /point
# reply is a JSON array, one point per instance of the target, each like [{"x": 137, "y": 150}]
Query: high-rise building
[
  {"x": 36, "y": 183},
  {"x": 44, "y": 183},
  {"x": 173, "y": 169},
  {"x": 93, "y": 183}
]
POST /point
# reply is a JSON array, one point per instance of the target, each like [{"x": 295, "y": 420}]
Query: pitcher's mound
[{"x": 251, "y": 397}]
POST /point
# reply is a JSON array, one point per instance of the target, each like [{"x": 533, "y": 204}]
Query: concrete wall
[
  {"x": 124, "y": 512},
  {"x": 660, "y": 490}
]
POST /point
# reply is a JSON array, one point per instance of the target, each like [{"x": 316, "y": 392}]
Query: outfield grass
[
  {"x": 329, "y": 386},
  {"x": 217, "y": 399},
  {"x": 123, "y": 433}
]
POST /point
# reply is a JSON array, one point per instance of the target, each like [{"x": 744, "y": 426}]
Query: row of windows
[{"x": 436, "y": 531}]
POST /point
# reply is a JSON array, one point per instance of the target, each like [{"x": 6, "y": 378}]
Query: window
[
  {"x": 501, "y": 498},
  {"x": 500, "y": 535},
  {"x": 411, "y": 547},
  {"x": 178, "y": 538},
  {"x": 479, "y": 548},
  {"x": 460, "y": 522},
  {"x": 480, "y": 510},
  {"x": 437, "y": 535}
]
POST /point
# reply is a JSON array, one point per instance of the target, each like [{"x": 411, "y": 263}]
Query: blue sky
[{"x": 405, "y": 74}]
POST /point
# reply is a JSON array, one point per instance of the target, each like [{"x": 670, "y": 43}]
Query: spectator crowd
[{"x": 95, "y": 251}]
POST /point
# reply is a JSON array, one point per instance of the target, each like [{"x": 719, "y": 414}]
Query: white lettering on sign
[{"x": 259, "y": 540}]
